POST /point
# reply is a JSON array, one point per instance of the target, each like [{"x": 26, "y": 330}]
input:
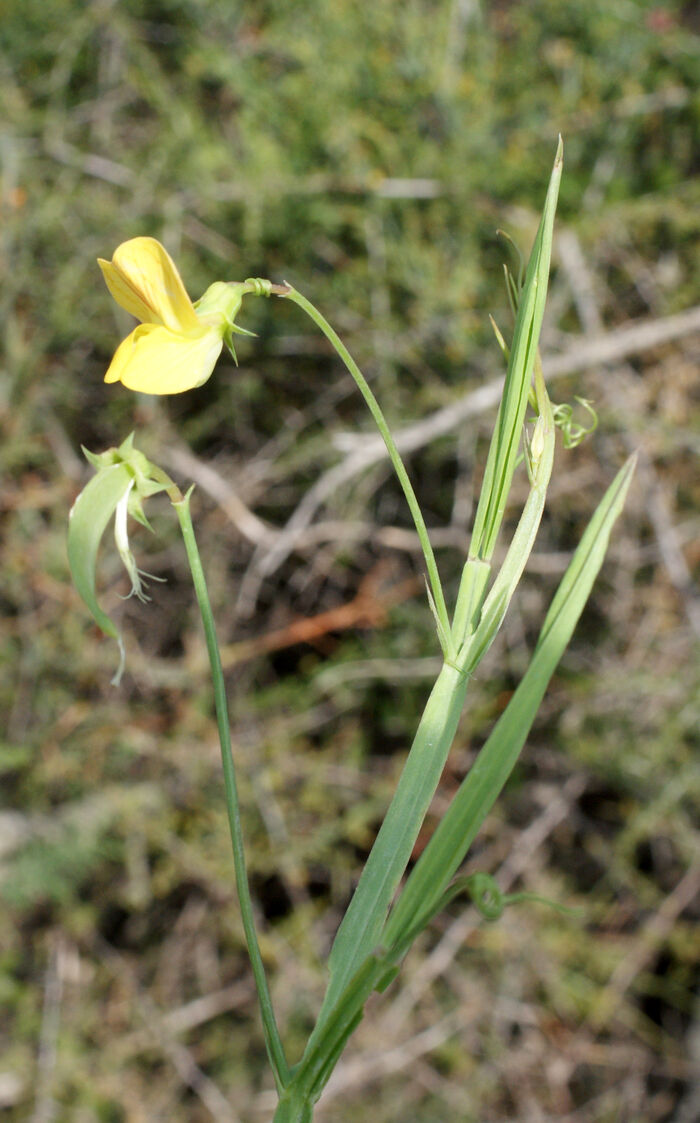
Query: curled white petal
[{"x": 121, "y": 539}]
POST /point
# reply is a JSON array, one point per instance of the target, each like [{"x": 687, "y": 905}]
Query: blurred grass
[{"x": 368, "y": 155}]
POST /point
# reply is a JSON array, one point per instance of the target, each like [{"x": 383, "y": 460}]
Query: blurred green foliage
[{"x": 367, "y": 153}]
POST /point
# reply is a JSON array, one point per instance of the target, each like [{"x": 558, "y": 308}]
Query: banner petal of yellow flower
[
  {"x": 124, "y": 294},
  {"x": 144, "y": 280}
]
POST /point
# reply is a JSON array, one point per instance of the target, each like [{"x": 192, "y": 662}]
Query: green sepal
[
  {"x": 97, "y": 459},
  {"x": 221, "y": 303},
  {"x": 228, "y": 340},
  {"x": 237, "y": 330},
  {"x": 136, "y": 498},
  {"x": 231, "y": 330}
]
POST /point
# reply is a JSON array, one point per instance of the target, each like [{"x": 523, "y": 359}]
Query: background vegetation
[{"x": 367, "y": 153}]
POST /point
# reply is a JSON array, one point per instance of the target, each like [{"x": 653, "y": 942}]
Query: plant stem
[
  {"x": 394, "y": 456},
  {"x": 294, "y": 1107},
  {"x": 272, "y": 1038}
]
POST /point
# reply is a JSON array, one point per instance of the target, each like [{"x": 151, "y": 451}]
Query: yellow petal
[
  {"x": 123, "y": 294},
  {"x": 121, "y": 357},
  {"x": 155, "y": 360},
  {"x": 143, "y": 278}
]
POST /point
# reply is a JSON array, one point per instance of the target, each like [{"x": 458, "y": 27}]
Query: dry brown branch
[
  {"x": 181, "y": 459},
  {"x": 658, "y": 506},
  {"x": 180, "y": 1057},
  {"x": 45, "y": 1105},
  {"x": 192, "y": 1014},
  {"x": 368, "y": 609},
  {"x": 360, "y": 1071},
  {"x": 645, "y": 945}
]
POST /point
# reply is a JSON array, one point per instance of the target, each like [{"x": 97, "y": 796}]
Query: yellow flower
[{"x": 176, "y": 345}]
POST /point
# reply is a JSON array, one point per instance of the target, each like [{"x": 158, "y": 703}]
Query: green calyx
[
  {"x": 220, "y": 305},
  {"x": 221, "y": 301}
]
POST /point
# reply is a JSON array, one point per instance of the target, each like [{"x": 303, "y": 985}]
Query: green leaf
[
  {"x": 478, "y": 792},
  {"x": 362, "y": 924},
  {"x": 323, "y": 1050},
  {"x": 503, "y": 451},
  {"x": 470, "y": 598},
  {"x": 496, "y": 603},
  {"x": 89, "y": 517}
]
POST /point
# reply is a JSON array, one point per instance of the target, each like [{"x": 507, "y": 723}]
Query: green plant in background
[{"x": 175, "y": 349}]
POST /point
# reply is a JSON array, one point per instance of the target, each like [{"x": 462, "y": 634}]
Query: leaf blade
[
  {"x": 482, "y": 785},
  {"x": 503, "y": 451},
  {"x": 88, "y": 521}
]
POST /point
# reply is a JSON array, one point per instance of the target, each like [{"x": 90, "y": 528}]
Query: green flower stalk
[{"x": 124, "y": 478}]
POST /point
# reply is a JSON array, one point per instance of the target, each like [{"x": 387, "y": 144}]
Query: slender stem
[
  {"x": 295, "y": 1106},
  {"x": 272, "y": 1037},
  {"x": 172, "y": 490},
  {"x": 394, "y": 455}
]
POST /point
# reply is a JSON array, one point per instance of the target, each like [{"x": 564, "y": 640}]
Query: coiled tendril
[{"x": 261, "y": 286}]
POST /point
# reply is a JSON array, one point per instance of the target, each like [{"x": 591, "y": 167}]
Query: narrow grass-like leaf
[
  {"x": 498, "y": 599},
  {"x": 477, "y": 794},
  {"x": 470, "y": 597},
  {"x": 503, "y": 451},
  {"x": 320, "y": 1059},
  {"x": 359, "y": 932},
  {"x": 311, "y": 1075}
]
